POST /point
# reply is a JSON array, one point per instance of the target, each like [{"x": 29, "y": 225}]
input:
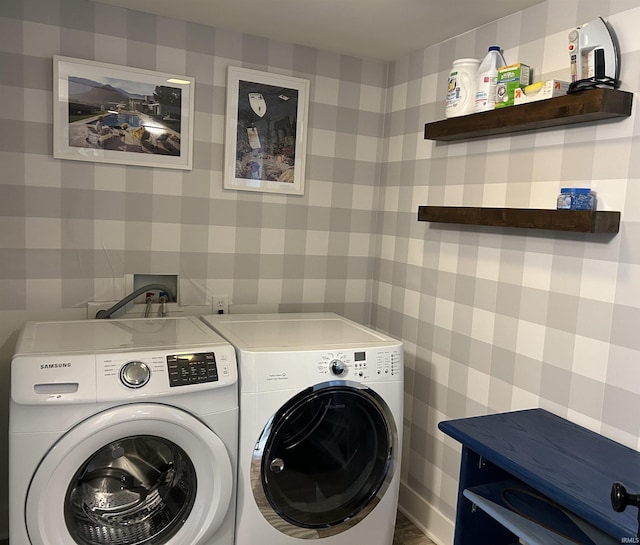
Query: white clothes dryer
[
  {"x": 321, "y": 403},
  {"x": 122, "y": 432}
]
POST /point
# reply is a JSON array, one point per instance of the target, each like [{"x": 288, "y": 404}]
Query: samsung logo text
[{"x": 54, "y": 365}]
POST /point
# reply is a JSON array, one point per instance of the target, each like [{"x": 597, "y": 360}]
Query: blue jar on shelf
[{"x": 576, "y": 198}]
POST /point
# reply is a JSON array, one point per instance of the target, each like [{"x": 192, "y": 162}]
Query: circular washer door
[
  {"x": 324, "y": 460},
  {"x": 134, "y": 474}
]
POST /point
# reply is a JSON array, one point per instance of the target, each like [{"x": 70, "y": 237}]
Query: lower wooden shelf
[
  {"x": 577, "y": 221},
  {"x": 532, "y": 517}
]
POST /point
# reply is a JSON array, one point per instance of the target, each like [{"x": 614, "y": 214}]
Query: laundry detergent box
[
  {"x": 510, "y": 78},
  {"x": 541, "y": 90}
]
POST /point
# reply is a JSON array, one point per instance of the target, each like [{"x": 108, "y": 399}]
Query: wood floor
[{"x": 407, "y": 534}]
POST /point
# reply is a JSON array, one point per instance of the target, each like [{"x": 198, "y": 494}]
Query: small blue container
[{"x": 576, "y": 198}]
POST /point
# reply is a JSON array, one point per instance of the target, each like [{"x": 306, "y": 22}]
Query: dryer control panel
[
  {"x": 277, "y": 370},
  {"x": 363, "y": 364}
]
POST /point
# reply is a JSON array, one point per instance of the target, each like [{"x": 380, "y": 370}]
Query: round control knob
[
  {"x": 337, "y": 367},
  {"x": 135, "y": 374}
]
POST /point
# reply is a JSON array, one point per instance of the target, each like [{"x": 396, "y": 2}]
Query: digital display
[
  {"x": 359, "y": 356},
  {"x": 192, "y": 368}
]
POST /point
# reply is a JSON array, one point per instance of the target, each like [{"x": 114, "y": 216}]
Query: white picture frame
[
  {"x": 266, "y": 132},
  {"x": 108, "y": 113}
]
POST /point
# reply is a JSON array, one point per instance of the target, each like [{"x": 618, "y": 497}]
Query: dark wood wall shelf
[
  {"x": 582, "y": 107},
  {"x": 577, "y": 221}
]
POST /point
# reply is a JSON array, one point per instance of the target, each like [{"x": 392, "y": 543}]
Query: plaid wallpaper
[
  {"x": 492, "y": 319},
  {"x": 503, "y": 319},
  {"x": 71, "y": 230}
]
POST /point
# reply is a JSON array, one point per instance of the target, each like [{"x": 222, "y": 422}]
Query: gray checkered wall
[
  {"x": 70, "y": 231},
  {"x": 492, "y": 319},
  {"x": 503, "y": 319}
]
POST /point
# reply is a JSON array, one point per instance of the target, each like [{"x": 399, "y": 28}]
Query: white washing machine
[
  {"x": 122, "y": 432},
  {"x": 321, "y": 402}
]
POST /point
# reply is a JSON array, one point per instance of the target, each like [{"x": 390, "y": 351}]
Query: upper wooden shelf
[
  {"x": 582, "y": 107},
  {"x": 576, "y": 221}
]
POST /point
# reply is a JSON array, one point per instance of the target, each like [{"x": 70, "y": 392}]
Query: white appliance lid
[
  {"x": 92, "y": 336},
  {"x": 295, "y": 332}
]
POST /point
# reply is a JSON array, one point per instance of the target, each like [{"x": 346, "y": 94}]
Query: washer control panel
[
  {"x": 86, "y": 378},
  {"x": 192, "y": 368},
  {"x": 182, "y": 369},
  {"x": 157, "y": 373}
]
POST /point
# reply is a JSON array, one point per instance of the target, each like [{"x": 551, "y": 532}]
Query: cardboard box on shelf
[
  {"x": 510, "y": 78},
  {"x": 541, "y": 90}
]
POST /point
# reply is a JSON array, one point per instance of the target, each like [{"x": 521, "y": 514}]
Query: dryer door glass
[
  {"x": 133, "y": 491},
  {"x": 327, "y": 456}
]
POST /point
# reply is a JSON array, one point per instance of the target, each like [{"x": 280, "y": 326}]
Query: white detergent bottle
[
  {"x": 461, "y": 88},
  {"x": 487, "y": 78}
]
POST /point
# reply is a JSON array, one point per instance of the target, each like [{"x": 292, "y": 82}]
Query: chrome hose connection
[
  {"x": 163, "y": 304},
  {"x": 147, "y": 310}
]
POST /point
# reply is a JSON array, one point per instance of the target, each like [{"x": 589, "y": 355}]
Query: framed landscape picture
[
  {"x": 266, "y": 132},
  {"x": 116, "y": 114}
]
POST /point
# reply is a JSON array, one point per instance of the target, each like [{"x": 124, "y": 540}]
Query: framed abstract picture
[
  {"x": 116, "y": 114},
  {"x": 266, "y": 132}
]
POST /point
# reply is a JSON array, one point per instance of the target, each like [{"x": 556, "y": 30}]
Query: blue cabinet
[{"x": 533, "y": 476}]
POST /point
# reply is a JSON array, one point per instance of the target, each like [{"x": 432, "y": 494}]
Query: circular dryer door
[
  {"x": 134, "y": 474},
  {"x": 324, "y": 460}
]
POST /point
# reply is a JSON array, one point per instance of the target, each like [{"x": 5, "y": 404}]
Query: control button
[
  {"x": 337, "y": 367},
  {"x": 135, "y": 374}
]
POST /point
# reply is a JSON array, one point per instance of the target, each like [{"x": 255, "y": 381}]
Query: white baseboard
[{"x": 427, "y": 518}]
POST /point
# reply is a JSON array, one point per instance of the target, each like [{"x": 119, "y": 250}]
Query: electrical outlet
[{"x": 220, "y": 304}]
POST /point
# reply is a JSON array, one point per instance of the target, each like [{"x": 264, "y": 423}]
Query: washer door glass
[
  {"x": 131, "y": 491},
  {"x": 138, "y": 474},
  {"x": 326, "y": 456}
]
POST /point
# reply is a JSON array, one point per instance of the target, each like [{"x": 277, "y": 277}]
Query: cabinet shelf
[
  {"x": 582, "y": 107},
  {"x": 577, "y": 221},
  {"x": 533, "y": 517}
]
